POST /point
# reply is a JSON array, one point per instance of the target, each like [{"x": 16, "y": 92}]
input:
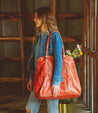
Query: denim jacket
[{"x": 55, "y": 49}]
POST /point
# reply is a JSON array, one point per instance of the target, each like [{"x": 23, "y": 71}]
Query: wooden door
[{"x": 89, "y": 68}]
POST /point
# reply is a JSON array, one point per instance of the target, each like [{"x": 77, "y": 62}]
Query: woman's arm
[
  {"x": 31, "y": 64},
  {"x": 30, "y": 82},
  {"x": 57, "y": 47}
]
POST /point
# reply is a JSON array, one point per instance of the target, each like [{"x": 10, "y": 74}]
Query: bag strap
[{"x": 48, "y": 42}]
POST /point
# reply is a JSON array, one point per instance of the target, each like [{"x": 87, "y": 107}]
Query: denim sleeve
[
  {"x": 31, "y": 76},
  {"x": 57, "y": 46},
  {"x": 28, "y": 65}
]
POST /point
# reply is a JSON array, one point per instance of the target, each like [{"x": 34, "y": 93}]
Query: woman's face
[{"x": 37, "y": 21}]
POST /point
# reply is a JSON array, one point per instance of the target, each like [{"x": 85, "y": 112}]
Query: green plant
[{"x": 76, "y": 53}]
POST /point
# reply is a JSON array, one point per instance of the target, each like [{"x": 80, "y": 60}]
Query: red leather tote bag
[{"x": 69, "y": 88}]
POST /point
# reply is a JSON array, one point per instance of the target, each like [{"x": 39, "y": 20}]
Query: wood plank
[
  {"x": 82, "y": 78},
  {"x": 30, "y": 39},
  {"x": 94, "y": 60},
  {"x": 22, "y": 45},
  {"x": 15, "y": 16},
  {"x": 3, "y": 79},
  {"x": 96, "y": 81},
  {"x": 72, "y": 39},
  {"x": 65, "y": 39},
  {"x": 58, "y": 16},
  {"x": 87, "y": 81},
  {"x": 83, "y": 58},
  {"x": 10, "y": 39},
  {"x": 16, "y": 39},
  {"x": 9, "y": 16},
  {"x": 69, "y": 16},
  {"x": 9, "y": 59},
  {"x": 86, "y": 44},
  {"x": 54, "y": 7},
  {"x": 94, "y": 24},
  {"x": 89, "y": 46},
  {"x": 88, "y": 51},
  {"x": 89, "y": 35},
  {"x": 88, "y": 24},
  {"x": 94, "y": 86}
]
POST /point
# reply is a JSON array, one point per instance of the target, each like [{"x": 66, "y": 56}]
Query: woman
[{"x": 45, "y": 24}]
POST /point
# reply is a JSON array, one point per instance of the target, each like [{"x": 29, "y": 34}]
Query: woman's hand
[
  {"x": 56, "y": 90},
  {"x": 29, "y": 85}
]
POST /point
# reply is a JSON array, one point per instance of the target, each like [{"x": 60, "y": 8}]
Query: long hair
[{"x": 47, "y": 17}]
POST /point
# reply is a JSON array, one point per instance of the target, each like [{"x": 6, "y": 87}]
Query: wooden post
[
  {"x": 54, "y": 7},
  {"x": 94, "y": 60},
  {"x": 22, "y": 46},
  {"x": 82, "y": 62},
  {"x": 96, "y": 87}
]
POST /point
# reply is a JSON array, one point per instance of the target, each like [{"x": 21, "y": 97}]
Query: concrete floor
[{"x": 16, "y": 104}]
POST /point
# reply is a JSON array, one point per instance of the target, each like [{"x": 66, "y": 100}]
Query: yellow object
[
  {"x": 81, "y": 53},
  {"x": 70, "y": 54},
  {"x": 66, "y": 108}
]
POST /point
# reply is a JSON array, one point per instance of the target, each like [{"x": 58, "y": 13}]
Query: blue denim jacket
[{"x": 55, "y": 49}]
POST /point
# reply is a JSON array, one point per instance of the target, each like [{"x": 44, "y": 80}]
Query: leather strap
[{"x": 48, "y": 42}]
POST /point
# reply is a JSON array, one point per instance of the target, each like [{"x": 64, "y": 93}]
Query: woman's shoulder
[{"x": 56, "y": 35}]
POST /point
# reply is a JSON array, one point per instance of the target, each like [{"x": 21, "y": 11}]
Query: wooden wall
[
  {"x": 68, "y": 28},
  {"x": 89, "y": 61},
  {"x": 9, "y": 29}
]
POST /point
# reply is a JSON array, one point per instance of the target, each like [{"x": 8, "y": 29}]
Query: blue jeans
[{"x": 34, "y": 104}]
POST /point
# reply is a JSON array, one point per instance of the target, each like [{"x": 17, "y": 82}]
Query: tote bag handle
[{"x": 48, "y": 42}]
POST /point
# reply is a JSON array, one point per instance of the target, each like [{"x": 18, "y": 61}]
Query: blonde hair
[{"x": 47, "y": 17}]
